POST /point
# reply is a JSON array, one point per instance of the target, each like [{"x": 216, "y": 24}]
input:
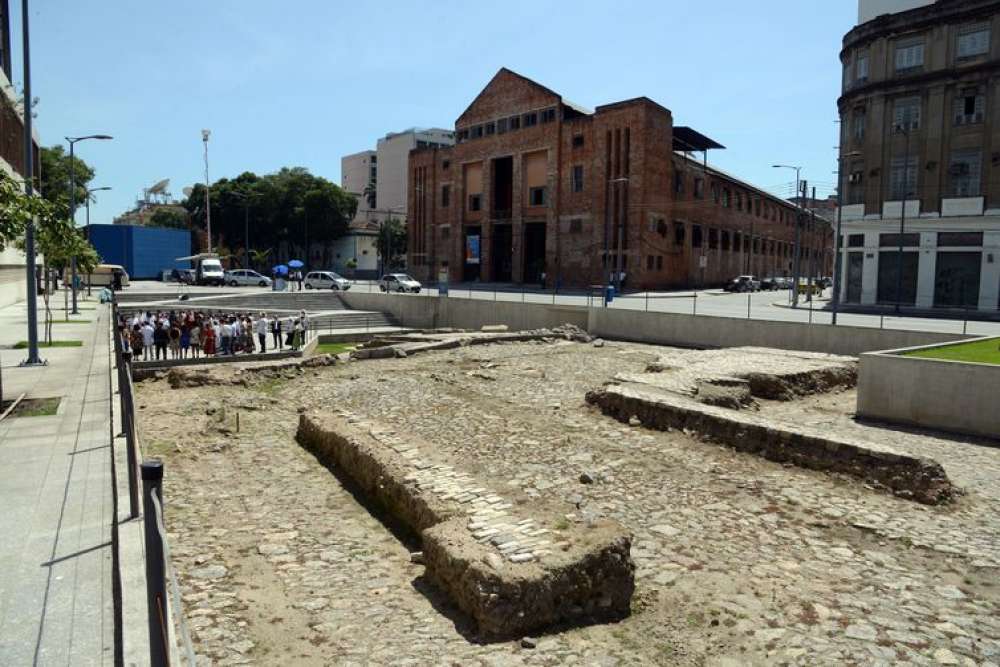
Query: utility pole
[
  {"x": 796, "y": 267},
  {"x": 29, "y": 235},
  {"x": 902, "y": 215},
  {"x": 205, "y": 134}
]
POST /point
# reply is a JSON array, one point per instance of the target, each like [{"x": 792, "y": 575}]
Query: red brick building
[{"x": 536, "y": 183}]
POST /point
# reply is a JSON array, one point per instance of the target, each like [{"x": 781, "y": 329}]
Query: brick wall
[{"x": 605, "y": 173}]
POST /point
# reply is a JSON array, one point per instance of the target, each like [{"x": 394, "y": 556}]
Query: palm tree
[
  {"x": 259, "y": 257},
  {"x": 369, "y": 194}
]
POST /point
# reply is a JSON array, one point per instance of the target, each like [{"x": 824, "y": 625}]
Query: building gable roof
[{"x": 502, "y": 79}]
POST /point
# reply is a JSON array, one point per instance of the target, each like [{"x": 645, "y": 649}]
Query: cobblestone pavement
[{"x": 740, "y": 560}]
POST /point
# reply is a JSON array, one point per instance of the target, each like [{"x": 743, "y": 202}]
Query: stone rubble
[{"x": 739, "y": 560}]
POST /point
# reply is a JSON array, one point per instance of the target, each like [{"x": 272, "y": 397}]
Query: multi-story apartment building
[
  {"x": 920, "y": 154},
  {"x": 383, "y": 170},
  {"x": 12, "y": 274},
  {"x": 536, "y": 184}
]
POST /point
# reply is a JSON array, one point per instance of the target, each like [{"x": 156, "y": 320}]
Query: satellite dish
[
  {"x": 187, "y": 191},
  {"x": 160, "y": 186}
]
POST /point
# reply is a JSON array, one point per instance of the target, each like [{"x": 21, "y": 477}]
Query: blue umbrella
[
  {"x": 295, "y": 264},
  {"x": 280, "y": 268}
]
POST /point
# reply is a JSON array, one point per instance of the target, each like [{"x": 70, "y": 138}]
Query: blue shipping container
[{"x": 145, "y": 252}]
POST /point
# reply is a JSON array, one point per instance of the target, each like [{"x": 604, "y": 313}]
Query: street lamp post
[
  {"x": 795, "y": 280},
  {"x": 838, "y": 260},
  {"x": 902, "y": 213},
  {"x": 89, "y": 192},
  {"x": 205, "y": 134},
  {"x": 72, "y": 204},
  {"x": 29, "y": 234}
]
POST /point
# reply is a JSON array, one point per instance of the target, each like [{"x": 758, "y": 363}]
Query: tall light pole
[
  {"x": 902, "y": 212},
  {"x": 72, "y": 203},
  {"x": 90, "y": 191},
  {"x": 29, "y": 234},
  {"x": 205, "y": 134},
  {"x": 795, "y": 281},
  {"x": 838, "y": 260}
]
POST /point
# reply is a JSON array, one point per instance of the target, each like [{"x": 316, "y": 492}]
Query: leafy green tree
[
  {"x": 54, "y": 179},
  {"x": 391, "y": 243},
  {"x": 369, "y": 193},
  {"x": 56, "y": 238},
  {"x": 282, "y": 207},
  {"x": 168, "y": 217}
]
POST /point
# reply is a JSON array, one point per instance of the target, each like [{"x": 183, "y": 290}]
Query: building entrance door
[
  {"x": 534, "y": 251},
  {"x": 956, "y": 280},
  {"x": 892, "y": 289},
  {"x": 502, "y": 253},
  {"x": 855, "y": 269}
]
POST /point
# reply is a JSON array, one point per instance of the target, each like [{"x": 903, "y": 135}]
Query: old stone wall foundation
[{"x": 498, "y": 563}]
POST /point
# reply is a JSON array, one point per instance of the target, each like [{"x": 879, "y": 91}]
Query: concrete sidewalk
[{"x": 56, "y": 604}]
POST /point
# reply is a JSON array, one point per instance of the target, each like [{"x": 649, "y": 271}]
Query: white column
[
  {"x": 869, "y": 272},
  {"x": 989, "y": 278},
  {"x": 926, "y": 270}
]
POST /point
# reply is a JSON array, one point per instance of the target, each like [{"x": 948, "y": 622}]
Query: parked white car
[
  {"x": 326, "y": 280},
  {"x": 238, "y": 277},
  {"x": 398, "y": 282}
]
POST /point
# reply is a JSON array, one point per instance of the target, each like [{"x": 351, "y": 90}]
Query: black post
[
  {"x": 29, "y": 164},
  {"x": 156, "y": 581},
  {"x": 835, "y": 297},
  {"x": 902, "y": 218},
  {"x": 797, "y": 261},
  {"x": 128, "y": 424}
]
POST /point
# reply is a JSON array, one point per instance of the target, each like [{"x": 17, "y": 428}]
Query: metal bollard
[
  {"x": 694, "y": 304},
  {"x": 748, "y": 305},
  {"x": 156, "y": 579}
]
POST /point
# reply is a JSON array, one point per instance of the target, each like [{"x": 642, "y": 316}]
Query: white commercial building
[{"x": 385, "y": 169}]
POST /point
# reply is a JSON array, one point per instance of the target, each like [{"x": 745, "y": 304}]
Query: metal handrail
[{"x": 174, "y": 585}]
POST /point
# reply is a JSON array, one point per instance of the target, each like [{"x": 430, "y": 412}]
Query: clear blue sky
[{"x": 301, "y": 83}]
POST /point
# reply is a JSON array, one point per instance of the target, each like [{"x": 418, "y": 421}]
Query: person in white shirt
[
  {"x": 263, "y": 326},
  {"x": 226, "y": 338},
  {"x": 147, "y": 341}
]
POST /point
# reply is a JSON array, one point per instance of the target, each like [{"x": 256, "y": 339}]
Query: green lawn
[
  {"x": 40, "y": 407},
  {"x": 335, "y": 348},
  {"x": 982, "y": 352},
  {"x": 21, "y": 345}
]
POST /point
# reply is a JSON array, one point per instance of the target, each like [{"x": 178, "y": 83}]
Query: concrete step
[{"x": 351, "y": 320}]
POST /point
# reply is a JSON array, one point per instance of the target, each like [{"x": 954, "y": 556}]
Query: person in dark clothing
[
  {"x": 161, "y": 338},
  {"x": 276, "y": 333}
]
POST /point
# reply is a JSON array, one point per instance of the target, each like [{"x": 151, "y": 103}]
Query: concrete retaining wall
[
  {"x": 933, "y": 393},
  {"x": 710, "y": 331},
  {"x": 425, "y": 312}
]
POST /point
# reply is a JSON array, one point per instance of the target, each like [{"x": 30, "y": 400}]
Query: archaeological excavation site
[{"x": 543, "y": 497}]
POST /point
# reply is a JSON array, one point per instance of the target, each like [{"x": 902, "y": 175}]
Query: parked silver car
[
  {"x": 398, "y": 282},
  {"x": 326, "y": 280},
  {"x": 239, "y": 277}
]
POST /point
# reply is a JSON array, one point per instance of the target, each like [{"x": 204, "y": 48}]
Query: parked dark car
[
  {"x": 773, "y": 283},
  {"x": 743, "y": 284}
]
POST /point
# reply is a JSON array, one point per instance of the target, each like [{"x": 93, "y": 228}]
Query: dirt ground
[{"x": 739, "y": 560}]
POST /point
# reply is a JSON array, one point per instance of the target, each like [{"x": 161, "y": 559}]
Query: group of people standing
[{"x": 190, "y": 334}]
